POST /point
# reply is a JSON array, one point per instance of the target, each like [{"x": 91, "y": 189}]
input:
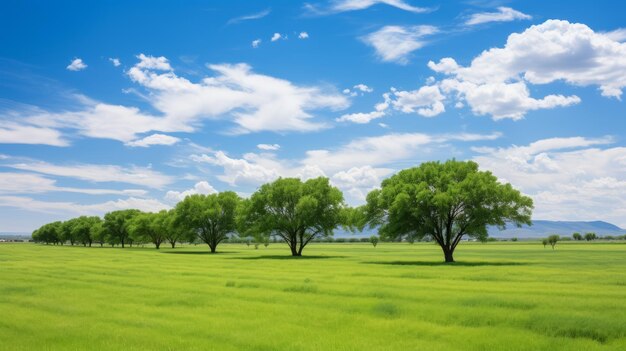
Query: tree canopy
[
  {"x": 446, "y": 201},
  {"x": 211, "y": 217},
  {"x": 295, "y": 211},
  {"x": 117, "y": 223}
]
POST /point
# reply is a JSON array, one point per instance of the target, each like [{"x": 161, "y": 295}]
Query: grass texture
[{"x": 498, "y": 296}]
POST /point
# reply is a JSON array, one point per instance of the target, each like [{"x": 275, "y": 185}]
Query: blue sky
[{"x": 112, "y": 105}]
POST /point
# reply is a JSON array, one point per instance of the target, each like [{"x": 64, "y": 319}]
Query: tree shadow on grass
[
  {"x": 285, "y": 257},
  {"x": 197, "y": 252},
  {"x": 458, "y": 264}
]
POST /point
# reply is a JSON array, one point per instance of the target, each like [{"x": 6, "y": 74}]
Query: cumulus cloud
[
  {"x": 380, "y": 110},
  {"x": 617, "y": 34},
  {"x": 427, "y": 101},
  {"x": 303, "y": 35},
  {"x": 276, "y": 37},
  {"x": 98, "y": 173},
  {"x": 115, "y": 61},
  {"x": 256, "y": 43},
  {"x": 504, "y": 14},
  {"x": 396, "y": 43},
  {"x": 76, "y": 65},
  {"x": 202, "y": 187},
  {"x": 496, "y": 82},
  {"x": 268, "y": 147},
  {"x": 154, "y": 139},
  {"x": 573, "y": 178}
]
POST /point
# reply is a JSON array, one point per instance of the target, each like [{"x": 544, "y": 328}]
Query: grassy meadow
[{"x": 498, "y": 296}]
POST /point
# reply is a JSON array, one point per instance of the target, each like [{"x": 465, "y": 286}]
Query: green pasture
[{"x": 498, "y": 296}]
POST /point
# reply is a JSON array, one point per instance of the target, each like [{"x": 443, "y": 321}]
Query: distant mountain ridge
[{"x": 539, "y": 229}]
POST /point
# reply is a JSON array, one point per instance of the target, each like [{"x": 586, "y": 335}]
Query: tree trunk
[
  {"x": 173, "y": 244},
  {"x": 294, "y": 250},
  {"x": 158, "y": 245},
  {"x": 212, "y": 248},
  {"x": 447, "y": 253}
]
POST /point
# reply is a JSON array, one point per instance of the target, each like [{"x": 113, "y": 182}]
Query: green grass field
[{"x": 499, "y": 296}]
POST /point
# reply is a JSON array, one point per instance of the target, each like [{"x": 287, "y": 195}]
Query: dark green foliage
[
  {"x": 295, "y": 211},
  {"x": 590, "y": 236},
  {"x": 374, "y": 240},
  {"x": 211, "y": 217},
  {"x": 552, "y": 240},
  {"x": 577, "y": 236},
  {"x": 445, "y": 201},
  {"x": 117, "y": 224}
]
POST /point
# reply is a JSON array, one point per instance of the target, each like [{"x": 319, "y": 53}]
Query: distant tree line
[{"x": 439, "y": 201}]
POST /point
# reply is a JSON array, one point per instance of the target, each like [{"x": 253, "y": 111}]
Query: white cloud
[
  {"x": 427, "y": 101},
  {"x": 115, "y": 61},
  {"x": 154, "y": 139},
  {"x": 356, "y": 182},
  {"x": 239, "y": 171},
  {"x": 253, "y": 16},
  {"x": 380, "y": 110},
  {"x": 617, "y": 34},
  {"x": 303, "y": 35},
  {"x": 99, "y": 173},
  {"x": 568, "y": 178},
  {"x": 395, "y": 43},
  {"x": 355, "y": 5},
  {"x": 268, "y": 147},
  {"x": 496, "y": 82},
  {"x": 30, "y": 204},
  {"x": 256, "y": 43},
  {"x": 363, "y": 88},
  {"x": 276, "y": 37},
  {"x": 76, "y": 65},
  {"x": 384, "y": 150},
  {"x": 504, "y": 14},
  {"x": 202, "y": 187},
  {"x": 27, "y": 183},
  {"x": 254, "y": 102},
  {"x": 16, "y": 133}
]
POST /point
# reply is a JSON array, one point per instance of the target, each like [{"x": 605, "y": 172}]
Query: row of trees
[{"x": 441, "y": 201}]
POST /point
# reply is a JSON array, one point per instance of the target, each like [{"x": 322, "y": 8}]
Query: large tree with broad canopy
[
  {"x": 293, "y": 210},
  {"x": 446, "y": 201},
  {"x": 211, "y": 217}
]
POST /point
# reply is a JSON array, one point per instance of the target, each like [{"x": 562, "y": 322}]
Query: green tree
[
  {"x": 212, "y": 217},
  {"x": 66, "y": 231},
  {"x": 374, "y": 240},
  {"x": 577, "y": 236},
  {"x": 176, "y": 233},
  {"x": 544, "y": 242},
  {"x": 99, "y": 233},
  {"x": 590, "y": 236},
  {"x": 295, "y": 211},
  {"x": 49, "y": 233},
  {"x": 81, "y": 229},
  {"x": 445, "y": 201},
  {"x": 149, "y": 227},
  {"x": 552, "y": 240},
  {"x": 117, "y": 223}
]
